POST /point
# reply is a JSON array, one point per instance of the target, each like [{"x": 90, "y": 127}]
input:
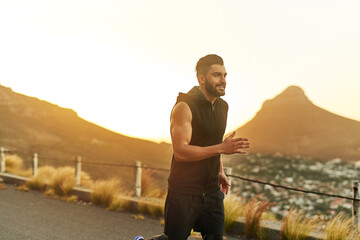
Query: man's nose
[{"x": 223, "y": 79}]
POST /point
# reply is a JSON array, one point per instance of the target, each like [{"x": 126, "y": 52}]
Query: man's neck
[{"x": 207, "y": 95}]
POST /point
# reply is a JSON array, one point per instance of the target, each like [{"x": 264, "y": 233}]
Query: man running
[{"x": 197, "y": 182}]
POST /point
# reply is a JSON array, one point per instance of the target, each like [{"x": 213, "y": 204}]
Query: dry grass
[
  {"x": 153, "y": 209},
  {"x": 104, "y": 191},
  {"x": 148, "y": 186},
  {"x": 296, "y": 227},
  {"x": 253, "y": 212},
  {"x": 70, "y": 199},
  {"x": 268, "y": 216},
  {"x": 147, "y": 183},
  {"x": 42, "y": 179},
  {"x": 63, "y": 181},
  {"x": 50, "y": 193},
  {"x": 138, "y": 216},
  {"x": 14, "y": 165},
  {"x": 86, "y": 180},
  {"x": 341, "y": 228},
  {"x": 22, "y": 188},
  {"x": 233, "y": 209},
  {"x": 119, "y": 204},
  {"x": 195, "y": 235}
]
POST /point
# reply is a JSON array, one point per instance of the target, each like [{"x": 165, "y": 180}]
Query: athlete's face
[{"x": 215, "y": 80}]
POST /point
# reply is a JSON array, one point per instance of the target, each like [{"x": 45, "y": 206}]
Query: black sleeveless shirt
[{"x": 208, "y": 127}]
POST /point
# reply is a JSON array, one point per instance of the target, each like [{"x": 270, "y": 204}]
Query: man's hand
[
  {"x": 233, "y": 145},
  {"x": 224, "y": 183}
]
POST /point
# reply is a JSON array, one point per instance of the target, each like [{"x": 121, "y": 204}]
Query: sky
[{"x": 121, "y": 64}]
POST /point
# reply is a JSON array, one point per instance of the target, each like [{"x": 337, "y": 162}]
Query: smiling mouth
[{"x": 221, "y": 87}]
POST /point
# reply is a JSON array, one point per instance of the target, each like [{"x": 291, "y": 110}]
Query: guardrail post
[
  {"x": 78, "y": 170},
  {"x": 35, "y": 164},
  {"x": 137, "y": 179},
  {"x": 2, "y": 159},
  {"x": 355, "y": 210},
  {"x": 228, "y": 171}
]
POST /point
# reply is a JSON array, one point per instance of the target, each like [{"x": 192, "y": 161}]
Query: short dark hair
[{"x": 204, "y": 63}]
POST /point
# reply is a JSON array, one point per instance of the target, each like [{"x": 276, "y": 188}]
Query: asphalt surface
[{"x": 30, "y": 216}]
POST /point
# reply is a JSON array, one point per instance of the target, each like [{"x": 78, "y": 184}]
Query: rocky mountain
[
  {"x": 290, "y": 124},
  {"x": 29, "y": 125}
]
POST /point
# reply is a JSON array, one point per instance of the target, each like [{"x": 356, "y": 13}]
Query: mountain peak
[
  {"x": 292, "y": 95},
  {"x": 291, "y": 124},
  {"x": 294, "y": 91}
]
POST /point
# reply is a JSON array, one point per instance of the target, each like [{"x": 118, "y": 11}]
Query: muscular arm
[{"x": 181, "y": 130}]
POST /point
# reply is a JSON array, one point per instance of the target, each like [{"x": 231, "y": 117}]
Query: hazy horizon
[
  {"x": 169, "y": 139},
  {"x": 107, "y": 58}
]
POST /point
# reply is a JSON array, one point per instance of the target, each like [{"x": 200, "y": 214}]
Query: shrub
[
  {"x": 23, "y": 188},
  {"x": 119, "y": 204},
  {"x": 63, "y": 181},
  {"x": 86, "y": 180},
  {"x": 153, "y": 209},
  {"x": 341, "y": 228},
  {"x": 104, "y": 191},
  {"x": 42, "y": 179},
  {"x": 253, "y": 212},
  {"x": 14, "y": 165},
  {"x": 138, "y": 216},
  {"x": 233, "y": 209},
  {"x": 70, "y": 199},
  {"x": 148, "y": 186},
  {"x": 296, "y": 227},
  {"x": 50, "y": 193}
]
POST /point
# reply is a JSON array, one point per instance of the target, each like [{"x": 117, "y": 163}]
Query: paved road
[{"x": 28, "y": 215}]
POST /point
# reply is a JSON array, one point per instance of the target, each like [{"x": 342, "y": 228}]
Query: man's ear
[{"x": 201, "y": 79}]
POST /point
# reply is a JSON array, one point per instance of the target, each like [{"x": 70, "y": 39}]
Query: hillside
[
  {"x": 29, "y": 125},
  {"x": 291, "y": 124}
]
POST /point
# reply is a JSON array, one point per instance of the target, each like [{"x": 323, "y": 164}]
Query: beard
[{"x": 212, "y": 90}]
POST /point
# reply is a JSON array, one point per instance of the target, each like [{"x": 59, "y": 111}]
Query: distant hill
[
  {"x": 29, "y": 125},
  {"x": 291, "y": 124}
]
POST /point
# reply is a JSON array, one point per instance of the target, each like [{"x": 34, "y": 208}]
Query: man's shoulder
[{"x": 187, "y": 99}]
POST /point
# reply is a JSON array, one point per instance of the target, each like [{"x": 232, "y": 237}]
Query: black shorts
[{"x": 184, "y": 212}]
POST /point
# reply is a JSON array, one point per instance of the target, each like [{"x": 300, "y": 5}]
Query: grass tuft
[
  {"x": 14, "y": 164},
  {"x": 23, "y": 188},
  {"x": 296, "y": 227},
  {"x": 233, "y": 209},
  {"x": 86, "y": 180},
  {"x": 149, "y": 188},
  {"x": 119, "y": 204},
  {"x": 253, "y": 212},
  {"x": 104, "y": 191},
  {"x": 70, "y": 199},
  {"x": 341, "y": 228},
  {"x": 138, "y": 216},
  {"x": 63, "y": 181},
  {"x": 42, "y": 179},
  {"x": 50, "y": 193},
  {"x": 153, "y": 209}
]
